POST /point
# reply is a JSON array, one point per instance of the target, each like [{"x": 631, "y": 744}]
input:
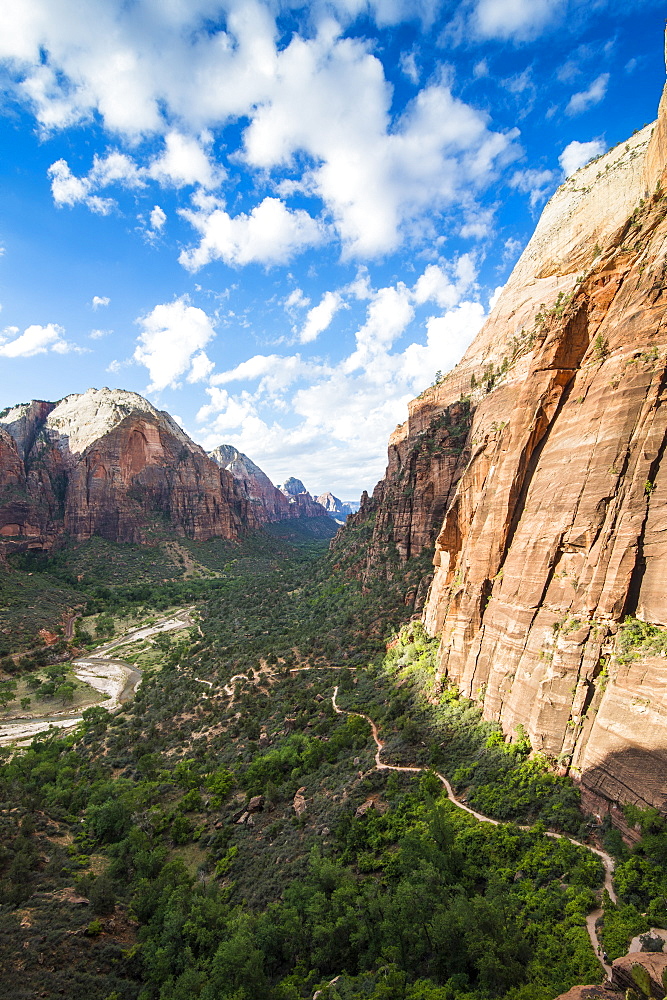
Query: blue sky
[{"x": 279, "y": 220}]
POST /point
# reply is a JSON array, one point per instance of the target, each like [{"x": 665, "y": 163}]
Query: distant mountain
[
  {"x": 106, "y": 462},
  {"x": 292, "y": 487},
  {"x": 339, "y": 510},
  {"x": 273, "y": 503}
]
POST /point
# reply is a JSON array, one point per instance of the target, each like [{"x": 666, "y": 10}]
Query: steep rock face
[
  {"x": 270, "y": 503},
  {"x": 299, "y": 499},
  {"x": 402, "y": 518},
  {"x": 554, "y": 496},
  {"x": 267, "y": 502},
  {"x": 108, "y": 463},
  {"x": 558, "y": 526}
]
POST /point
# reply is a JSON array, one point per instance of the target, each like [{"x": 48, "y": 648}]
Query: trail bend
[{"x": 606, "y": 858}]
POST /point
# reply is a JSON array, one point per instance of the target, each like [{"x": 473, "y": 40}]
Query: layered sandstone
[
  {"x": 107, "y": 463},
  {"x": 270, "y": 503},
  {"x": 551, "y": 509}
]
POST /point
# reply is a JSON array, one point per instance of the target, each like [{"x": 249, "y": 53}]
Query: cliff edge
[{"x": 538, "y": 463}]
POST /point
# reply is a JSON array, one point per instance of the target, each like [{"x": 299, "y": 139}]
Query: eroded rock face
[
  {"x": 591, "y": 993},
  {"x": 108, "y": 463},
  {"x": 270, "y": 503},
  {"x": 643, "y": 974},
  {"x": 549, "y": 502}
]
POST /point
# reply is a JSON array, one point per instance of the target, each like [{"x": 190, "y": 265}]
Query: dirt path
[
  {"x": 607, "y": 860},
  {"x": 113, "y": 677}
]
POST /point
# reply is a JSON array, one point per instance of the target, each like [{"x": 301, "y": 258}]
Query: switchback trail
[{"x": 607, "y": 860}]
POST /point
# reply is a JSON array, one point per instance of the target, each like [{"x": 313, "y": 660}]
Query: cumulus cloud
[
  {"x": 35, "y": 339},
  {"x": 270, "y": 234},
  {"x": 320, "y": 316},
  {"x": 171, "y": 344},
  {"x": 158, "y": 218},
  {"x": 100, "y": 300},
  {"x": 331, "y": 411},
  {"x": 586, "y": 99},
  {"x": 70, "y": 190},
  {"x": 185, "y": 161},
  {"x": 442, "y": 287},
  {"x": 160, "y": 71},
  {"x": 376, "y": 180},
  {"x": 577, "y": 154}
]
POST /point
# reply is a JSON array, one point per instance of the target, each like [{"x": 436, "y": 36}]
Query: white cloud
[
  {"x": 158, "y": 218},
  {"x": 35, "y": 339},
  {"x": 377, "y": 180},
  {"x": 70, "y": 190},
  {"x": 320, "y": 316},
  {"x": 270, "y": 234},
  {"x": 533, "y": 182},
  {"x": 171, "y": 345},
  {"x": 577, "y": 154},
  {"x": 320, "y": 104},
  {"x": 516, "y": 20},
  {"x": 100, "y": 300},
  {"x": 296, "y": 300},
  {"x": 114, "y": 168},
  {"x": 446, "y": 290},
  {"x": 586, "y": 99},
  {"x": 98, "y": 334},
  {"x": 408, "y": 63},
  {"x": 329, "y": 411},
  {"x": 185, "y": 161}
]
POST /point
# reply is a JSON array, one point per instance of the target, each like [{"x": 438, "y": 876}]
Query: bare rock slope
[
  {"x": 537, "y": 467},
  {"x": 106, "y": 462},
  {"x": 271, "y": 503}
]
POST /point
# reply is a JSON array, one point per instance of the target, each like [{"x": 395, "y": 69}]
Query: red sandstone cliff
[
  {"x": 108, "y": 463},
  {"x": 269, "y": 502},
  {"x": 554, "y": 497}
]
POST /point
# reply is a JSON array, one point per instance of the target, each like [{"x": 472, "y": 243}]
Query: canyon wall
[
  {"x": 107, "y": 463},
  {"x": 548, "y": 506},
  {"x": 270, "y": 502}
]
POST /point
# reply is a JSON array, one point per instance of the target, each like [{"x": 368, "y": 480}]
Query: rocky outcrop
[
  {"x": 271, "y": 503},
  {"x": 300, "y": 500},
  {"x": 645, "y": 975},
  {"x": 107, "y": 463},
  {"x": 334, "y": 507},
  {"x": 591, "y": 993},
  {"x": 537, "y": 466},
  {"x": 402, "y": 518},
  {"x": 254, "y": 486}
]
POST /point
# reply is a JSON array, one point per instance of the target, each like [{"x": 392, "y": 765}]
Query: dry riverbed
[{"x": 113, "y": 678}]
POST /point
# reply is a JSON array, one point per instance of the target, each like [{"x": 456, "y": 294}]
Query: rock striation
[
  {"x": 535, "y": 471},
  {"x": 271, "y": 503},
  {"x": 107, "y": 463}
]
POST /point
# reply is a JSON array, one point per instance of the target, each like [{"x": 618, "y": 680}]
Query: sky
[{"x": 278, "y": 221}]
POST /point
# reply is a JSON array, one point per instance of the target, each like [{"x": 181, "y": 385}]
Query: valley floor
[{"x": 289, "y": 800}]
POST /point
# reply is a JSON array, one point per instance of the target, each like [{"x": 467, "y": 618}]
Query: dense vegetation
[{"x": 375, "y": 886}]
